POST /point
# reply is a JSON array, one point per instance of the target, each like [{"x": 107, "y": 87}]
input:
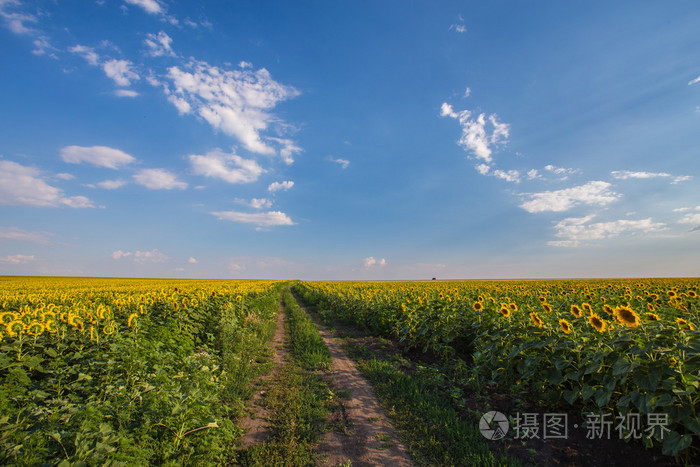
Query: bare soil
[{"x": 368, "y": 439}]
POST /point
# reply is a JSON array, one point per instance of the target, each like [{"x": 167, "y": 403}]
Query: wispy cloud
[
  {"x": 121, "y": 72},
  {"x": 261, "y": 219},
  {"x": 125, "y": 93},
  {"x": 627, "y": 174},
  {"x": 595, "y": 192},
  {"x": 228, "y": 167},
  {"x": 16, "y": 234},
  {"x": 237, "y": 102},
  {"x": 158, "y": 179},
  {"x": 479, "y": 134},
  {"x": 17, "y": 259},
  {"x": 277, "y": 186},
  {"x": 88, "y": 53},
  {"x": 563, "y": 172},
  {"x": 694, "y": 81},
  {"x": 153, "y": 7},
  {"x": 23, "y": 186},
  {"x": 371, "y": 261},
  {"x": 153, "y": 256},
  {"x": 101, "y": 156},
  {"x": 111, "y": 184},
  {"x": 159, "y": 45},
  {"x": 16, "y": 21},
  {"x": 576, "y": 230},
  {"x": 344, "y": 163}
]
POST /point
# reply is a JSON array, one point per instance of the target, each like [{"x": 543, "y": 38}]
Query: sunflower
[
  {"x": 542, "y": 299},
  {"x": 576, "y": 311},
  {"x": 505, "y": 311},
  {"x": 587, "y": 308},
  {"x": 651, "y": 307},
  {"x": 692, "y": 294},
  {"x": 15, "y": 327},
  {"x": 536, "y": 320},
  {"x": 547, "y": 307},
  {"x": 652, "y": 317},
  {"x": 627, "y": 316},
  {"x": 565, "y": 326},
  {"x": 131, "y": 321},
  {"x": 599, "y": 324},
  {"x": 35, "y": 328},
  {"x": 608, "y": 309},
  {"x": 685, "y": 325},
  {"x": 478, "y": 306},
  {"x": 7, "y": 317},
  {"x": 513, "y": 307},
  {"x": 51, "y": 326},
  {"x": 109, "y": 328}
]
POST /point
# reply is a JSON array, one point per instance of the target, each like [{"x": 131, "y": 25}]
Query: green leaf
[
  {"x": 570, "y": 396},
  {"x": 602, "y": 397},
  {"x": 648, "y": 382},
  {"x": 623, "y": 367},
  {"x": 675, "y": 443}
]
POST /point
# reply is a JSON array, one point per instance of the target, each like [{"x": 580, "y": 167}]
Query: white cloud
[
  {"x": 228, "y": 167},
  {"x": 192, "y": 260},
  {"x": 533, "y": 174},
  {"x": 111, "y": 184},
  {"x": 153, "y": 256},
  {"x": 159, "y": 45},
  {"x": 22, "y": 186},
  {"x": 41, "y": 45},
  {"x": 17, "y": 259},
  {"x": 120, "y": 72},
  {"x": 277, "y": 186},
  {"x": 88, "y": 53},
  {"x": 467, "y": 92},
  {"x": 627, "y": 174},
  {"x": 483, "y": 169},
  {"x": 370, "y": 261},
  {"x": 509, "y": 176},
  {"x": 65, "y": 176},
  {"x": 158, "y": 179},
  {"x": 564, "y": 172},
  {"x": 288, "y": 149},
  {"x": 694, "y": 81},
  {"x": 690, "y": 219},
  {"x": 260, "y": 203},
  {"x": 16, "y": 22},
  {"x": 476, "y": 137},
  {"x": 101, "y": 156},
  {"x": 237, "y": 102},
  {"x": 125, "y": 93},
  {"x": 150, "y": 6},
  {"x": 343, "y": 162},
  {"x": 15, "y": 234},
  {"x": 595, "y": 192},
  {"x": 576, "y": 230},
  {"x": 261, "y": 219}
]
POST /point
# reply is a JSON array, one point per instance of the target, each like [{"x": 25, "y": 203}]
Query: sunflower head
[
  {"x": 35, "y": 328},
  {"x": 536, "y": 320},
  {"x": 599, "y": 324},
  {"x": 652, "y": 317},
  {"x": 565, "y": 326},
  {"x": 684, "y": 324},
  {"x": 576, "y": 311},
  {"x": 505, "y": 311},
  {"x": 608, "y": 309},
  {"x": 478, "y": 306},
  {"x": 587, "y": 308},
  {"x": 547, "y": 307},
  {"x": 692, "y": 294},
  {"x": 626, "y": 316}
]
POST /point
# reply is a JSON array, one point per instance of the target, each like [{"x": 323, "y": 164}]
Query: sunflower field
[
  {"x": 615, "y": 346},
  {"x": 127, "y": 371}
]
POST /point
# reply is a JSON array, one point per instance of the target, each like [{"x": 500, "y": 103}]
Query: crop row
[
  {"x": 127, "y": 371},
  {"x": 619, "y": 346}
]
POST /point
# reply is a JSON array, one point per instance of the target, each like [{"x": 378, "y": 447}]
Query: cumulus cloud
[
  {"x": 16, "y": 234},
  {"x": 159, "y": 45},
  {"x": 576, "y": 230},
  {"x": 23, "y": 186},
  {"x": 595, "y": 192},
  {"x": 17, "y": 259},
  {"x": 228, "y": 167},
  {"x": 120, "y": 71},
  {"x": 692, "y": 218},
  {"x": 277, "y": 186},
  {"x": 101, "y": 156},
  {"x": 153, "y": 256},
  {"x": 260, "y": 203},
  {"x": 479, "y": 134},
  {"x": 370, "y": 261},
  {"x": 344, "y": 163},
  {"x": 111, "y": 184},
  {"x": 153, "y": 7},
  {"x": 88, "y": 53},
  {"x": 261, "y": 219},
  {"x": 509, "y": 176},
  {"x": 158, "y": 179},
  {"x": 287, "y": 149},
  {"x": 533, "y": 174},
  {"x": 237, "y": 102}
]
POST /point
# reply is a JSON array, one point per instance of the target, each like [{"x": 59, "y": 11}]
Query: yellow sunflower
[
  {"x": 627, "y": 316},
  {"x": 608, "y": 309},
  {"x": 565, "y": 326},
  {"x": 505, "y": 311},
  {"x": 536, "y": 320},
  {"x": 587, "y": 308},
  {"x": 652, "y": 317},
  {"x": 478, "y": 306},
  {"x": 547, "y": 307},
  {"x": 576, "y": 311},
  {"x": 685, "y": 325},
  {"x": 599, "y": 324}
]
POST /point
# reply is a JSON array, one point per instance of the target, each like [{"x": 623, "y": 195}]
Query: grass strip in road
[
  {"x": 299, "y": 398},
  {"x": 433, "y": 430}
]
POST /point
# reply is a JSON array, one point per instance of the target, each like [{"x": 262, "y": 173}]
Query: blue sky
[{"x": 350, "y": 140}]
